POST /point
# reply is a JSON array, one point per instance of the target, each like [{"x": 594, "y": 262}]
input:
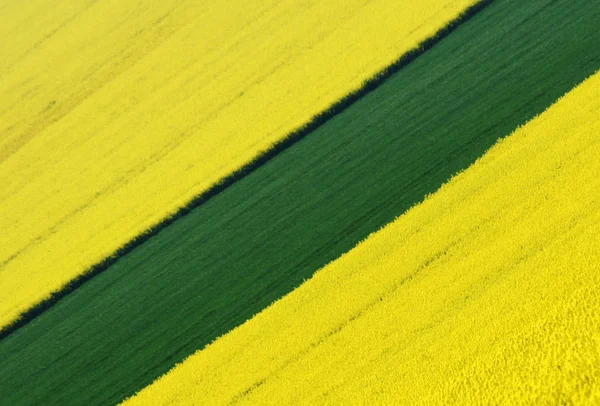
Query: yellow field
[
  {"x": 113, "y": 114},
  {"x": 487, "y": 292}
]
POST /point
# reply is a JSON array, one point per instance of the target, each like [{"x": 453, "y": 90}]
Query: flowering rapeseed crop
[
  {"x": 485, "y": 292},
  {"x": 113, "y": 115}
]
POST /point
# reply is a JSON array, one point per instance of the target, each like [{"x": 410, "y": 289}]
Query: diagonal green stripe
[{"x": 253, "y": 243}]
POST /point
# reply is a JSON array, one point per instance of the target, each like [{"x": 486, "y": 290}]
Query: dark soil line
[{"x": 280, "y": 146}]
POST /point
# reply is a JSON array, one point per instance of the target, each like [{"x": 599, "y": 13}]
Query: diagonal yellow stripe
[
  {"x": 485, "y": 293},
  {"x": 104, "y": 135}
]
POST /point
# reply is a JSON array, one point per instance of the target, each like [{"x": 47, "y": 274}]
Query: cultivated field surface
[
  {"x": 292, "y": 201},
  {"x": 484, "y": 293},
  {"x": 115, "y": 114}
]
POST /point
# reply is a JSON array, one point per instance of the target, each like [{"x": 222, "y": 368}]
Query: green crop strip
[{"x": 251, "y": 244}]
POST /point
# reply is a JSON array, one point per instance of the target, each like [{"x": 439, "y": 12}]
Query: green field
[{"x": 256, "y": 241}]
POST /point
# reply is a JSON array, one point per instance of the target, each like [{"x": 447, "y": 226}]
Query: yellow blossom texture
[
  {"x": 485, "y": 293},
  {"x": 113, "y": 114}
]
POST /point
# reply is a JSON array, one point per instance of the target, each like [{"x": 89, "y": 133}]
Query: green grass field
[{"x": 228, "y": 259}]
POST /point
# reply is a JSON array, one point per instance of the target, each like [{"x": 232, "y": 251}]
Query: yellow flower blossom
[
  {"x": 486, "y": 293},
  {"x": 113, "y": 114}
]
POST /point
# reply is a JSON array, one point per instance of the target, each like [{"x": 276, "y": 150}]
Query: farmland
[
  {"x": 485, "y": 293},
  {"x": 116, "y": 114},
  {"x": 227, "y": 260}
]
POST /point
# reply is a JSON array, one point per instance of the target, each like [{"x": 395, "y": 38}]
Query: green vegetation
[{"x": 229, "y": 258}]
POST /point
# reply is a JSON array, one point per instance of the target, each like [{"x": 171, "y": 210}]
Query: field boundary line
[{"x": 261, "y": 159}]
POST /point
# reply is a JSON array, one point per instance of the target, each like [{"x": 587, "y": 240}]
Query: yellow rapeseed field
[
  {"x": 115, "y": 113},
  {"x": 485, "y": 293}
]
